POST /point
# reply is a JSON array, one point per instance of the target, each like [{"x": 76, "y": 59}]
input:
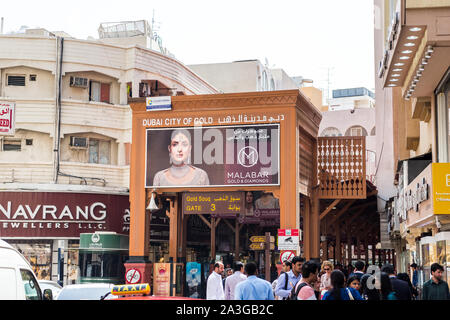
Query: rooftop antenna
[
  {"x": 328, "y": 84},
  {"x": 153, "y": 20},
  {"x": 155, "y": 25},
  {"x": 155, "y": 36},
  {"x": 1, "y": 26}
]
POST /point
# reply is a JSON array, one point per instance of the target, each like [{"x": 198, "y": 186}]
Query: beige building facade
[
  {"x": 352, "y": 113},
  {"x": 244, "y": 76},
  {"x": 73, "y": 133},
  {"x": 412, "y": 60}
]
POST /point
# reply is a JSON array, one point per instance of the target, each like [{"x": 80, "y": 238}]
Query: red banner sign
[
  {"x": 288, "y": 232},
  {"x": 7, "y": 120}
]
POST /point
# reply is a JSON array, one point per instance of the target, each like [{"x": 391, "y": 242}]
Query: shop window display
[
  {"x": 159, "y": 252},
  {"x": 39, "y": 254},
  {"x": 73, "y": 270},
  {"x": 441, "y": 256}
]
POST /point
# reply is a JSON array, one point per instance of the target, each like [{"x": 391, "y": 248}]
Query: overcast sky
[{"x": 303, "y": 37}]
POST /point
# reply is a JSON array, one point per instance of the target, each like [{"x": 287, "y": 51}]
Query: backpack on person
[
  {"x": 285, "y": 283},
  {"x": 295, "y": 291}
]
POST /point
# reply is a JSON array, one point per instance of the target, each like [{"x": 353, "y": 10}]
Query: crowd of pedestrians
[{"x": 308, "y": 280}]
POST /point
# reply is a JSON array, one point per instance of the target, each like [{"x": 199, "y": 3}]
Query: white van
[{"x": 17, "y": 279}]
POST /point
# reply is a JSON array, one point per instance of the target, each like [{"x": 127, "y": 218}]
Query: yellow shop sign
[{"x": 441, "y": 188}]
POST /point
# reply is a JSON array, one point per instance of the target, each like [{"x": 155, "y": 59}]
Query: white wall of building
[
  {"x": 347, "y": 103},
  {"x": 110, "y": 122},
  {"x": 344, "y": 120},
  {"x": 244, "y": 76}
]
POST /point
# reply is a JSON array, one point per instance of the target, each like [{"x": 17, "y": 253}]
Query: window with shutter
[
  {"x": 356, "y": 132},
  {"x": 11, "y": 144},
  {"x": 99, "y": 92},
  {"x": 16, "y": 81}
]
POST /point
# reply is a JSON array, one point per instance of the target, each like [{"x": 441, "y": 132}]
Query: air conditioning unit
[
  {"x": 79, "y": 82},
  {"x": 79, "y": 142}
]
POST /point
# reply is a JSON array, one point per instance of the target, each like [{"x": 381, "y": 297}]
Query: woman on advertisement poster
[
  {"x": 181, "y": 172},
  {"x": 249, "y": 204},
  {"x": 267, "y": 201}
]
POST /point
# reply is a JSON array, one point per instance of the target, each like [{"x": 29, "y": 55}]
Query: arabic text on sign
[
  {"x": 261, "y": 239},
  {"x": 260, "y": 246},
  {"x": 258, "y": 239}
]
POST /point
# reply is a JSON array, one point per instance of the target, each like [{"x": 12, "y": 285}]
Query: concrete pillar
[
  {"x": 123, "y": 94},
  {"x": 135, "y": 88},
  {"x": 63, "y": 246},
  {"x": 121, "y": 154}
]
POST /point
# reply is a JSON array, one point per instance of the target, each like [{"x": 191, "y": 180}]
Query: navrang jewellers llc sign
[{"x": 52, "y": 214}]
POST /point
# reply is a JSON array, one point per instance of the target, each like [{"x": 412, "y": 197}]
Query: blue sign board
[
  {"x": 193, "y": 279},
  {"x": 159, "y": 103}
]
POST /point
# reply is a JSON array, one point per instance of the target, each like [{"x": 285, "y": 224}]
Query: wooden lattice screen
[
  {"x": 307, "y": 155},
  {"x": 341, "y": 163}
]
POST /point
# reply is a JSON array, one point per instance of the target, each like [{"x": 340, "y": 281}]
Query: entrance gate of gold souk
[{"x": 202, "y": 148}]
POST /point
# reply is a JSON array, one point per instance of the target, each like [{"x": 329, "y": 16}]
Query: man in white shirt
[
  {"x": 214, "y": 286},
  {"x": 233, "y": 280}
]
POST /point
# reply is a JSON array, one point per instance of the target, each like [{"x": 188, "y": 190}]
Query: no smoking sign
[
  {"x": 133, "y": 276},
  {"x": 287, "y": 255}
]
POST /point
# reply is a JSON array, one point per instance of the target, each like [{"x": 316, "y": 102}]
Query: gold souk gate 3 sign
[{"x": 215, "y": 203}]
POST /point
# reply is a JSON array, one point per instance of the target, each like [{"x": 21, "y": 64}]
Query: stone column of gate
[
  {"x": 289, "y": 175},
  {"x": 139, "y": 220}
]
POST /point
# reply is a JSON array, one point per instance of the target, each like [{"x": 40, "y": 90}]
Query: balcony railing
[
  {"x": 341, "y": 163},
  {"x": 32, "y": 112},
  {"x": 71, "y": 173}
]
